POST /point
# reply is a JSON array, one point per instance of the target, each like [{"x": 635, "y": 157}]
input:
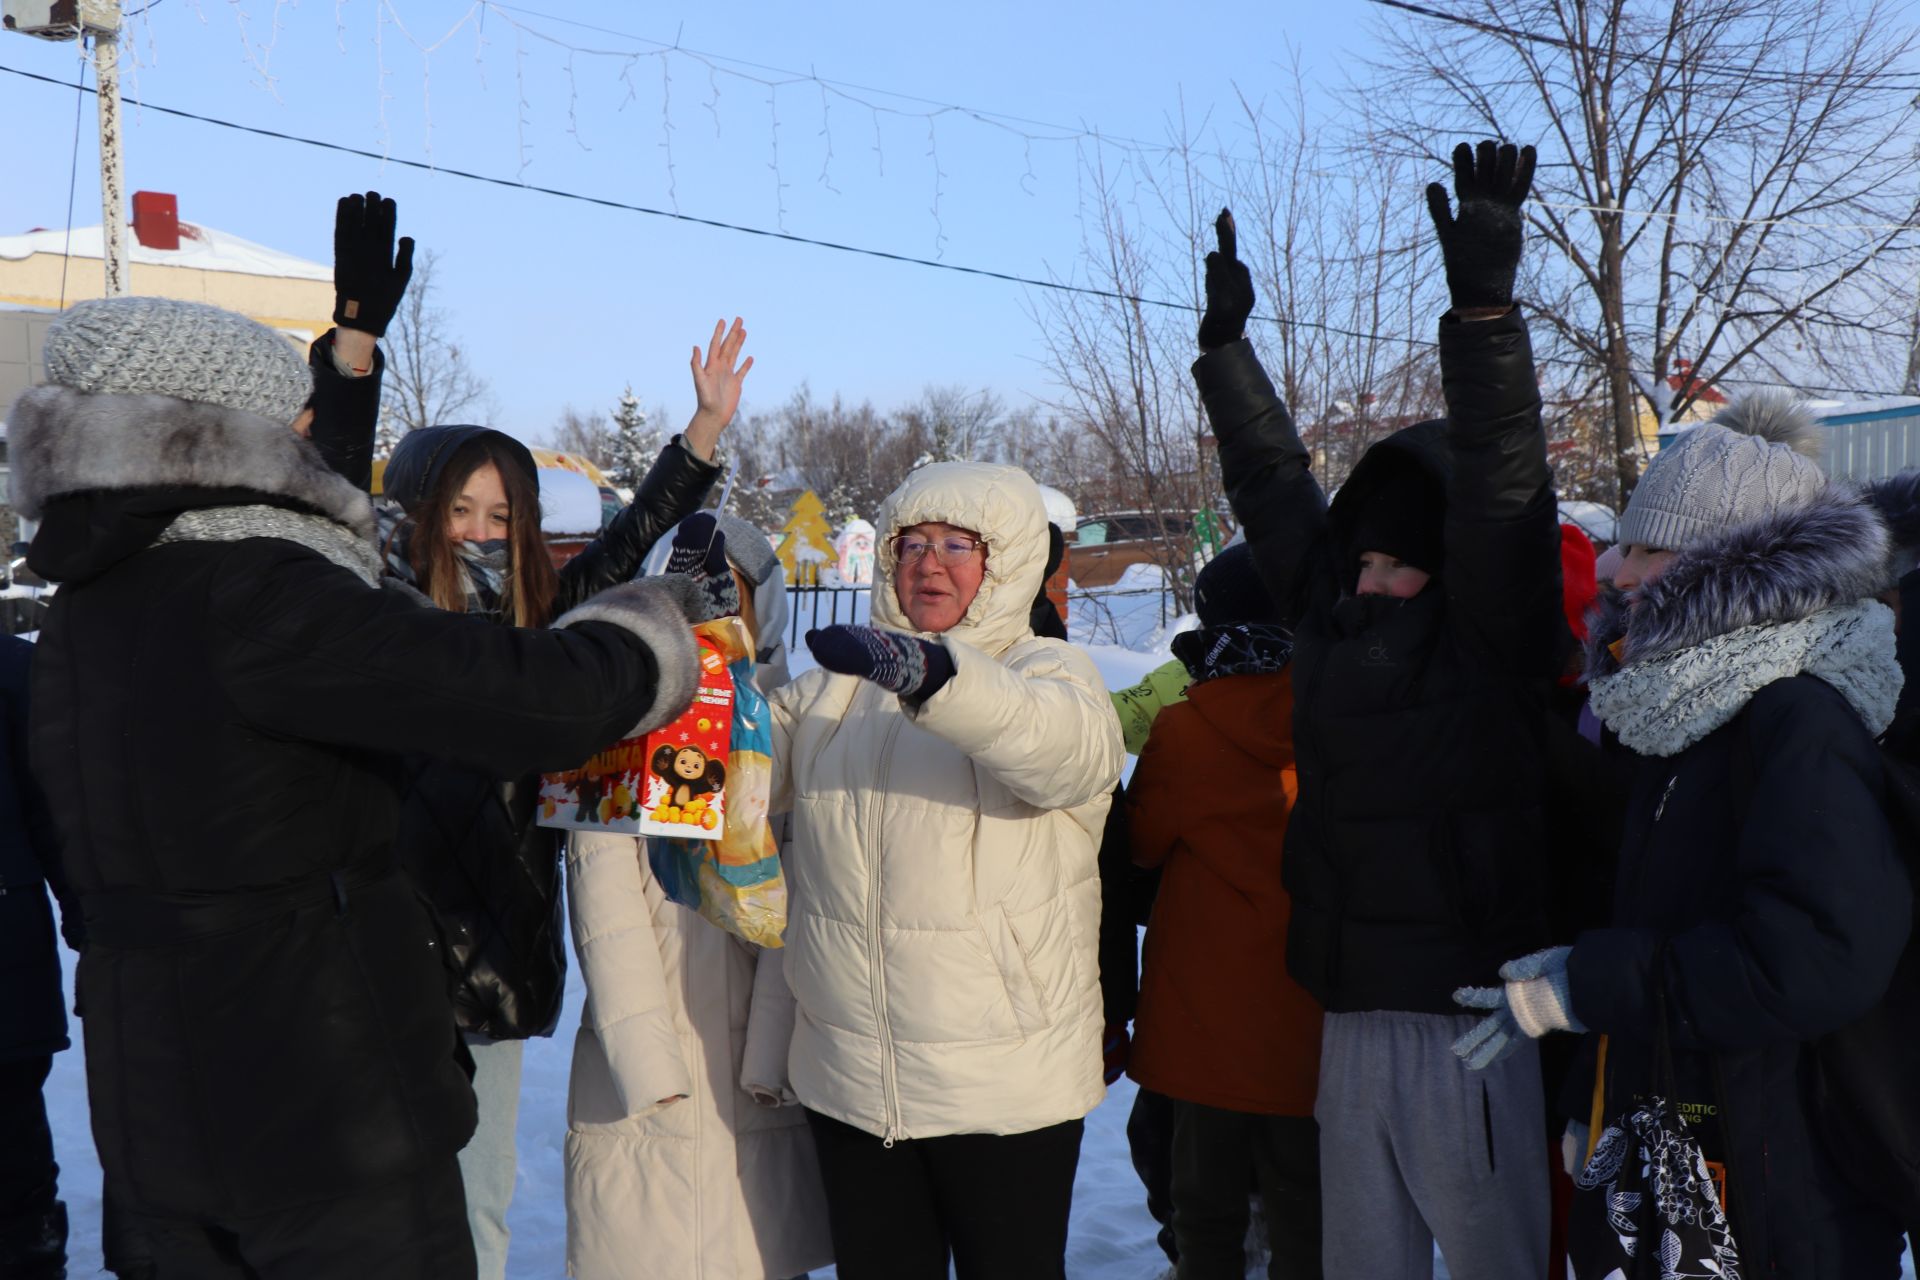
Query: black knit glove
[
  {"x": 1481, "y": 243},
  {"x": 369, "y": 277},
  {"x": 1229, "y": 290},
  {"x": 915, "y": 669},
  {"x": 700, "y": 553}
]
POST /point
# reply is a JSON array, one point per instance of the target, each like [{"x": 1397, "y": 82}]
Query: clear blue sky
[{"x": 561, "y": 302}]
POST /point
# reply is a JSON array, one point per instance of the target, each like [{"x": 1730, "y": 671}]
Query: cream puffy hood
[
  {"x": 1001, "y": 504},
  {"x": 944, "y": 896}
]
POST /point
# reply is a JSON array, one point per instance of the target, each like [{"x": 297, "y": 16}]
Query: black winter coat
[
  {"x": 1781, "y": 923},
  {"x": 468, "y": 839},
  {"x": 268, "y": 1021},
  {"x": 33, "y": 1019},
  {"x": 471, "y": 842},
  {"x": 1416, "y": 853},
  {"x": 1760, "y": 857}
]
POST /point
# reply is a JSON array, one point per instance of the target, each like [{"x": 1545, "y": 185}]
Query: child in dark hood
[
  {"x": 1762, "y": 899},
  {"x": 1426, "y": 613},
  {"x": 1221, "y": 1028}
]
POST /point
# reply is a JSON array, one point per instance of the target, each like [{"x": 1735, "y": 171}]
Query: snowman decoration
[{"x": 853, "y": 551}]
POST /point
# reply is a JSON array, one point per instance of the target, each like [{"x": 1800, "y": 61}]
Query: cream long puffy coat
[
  {"x": 722, "y": 1185},
  {"x": 944, "y": 915}
]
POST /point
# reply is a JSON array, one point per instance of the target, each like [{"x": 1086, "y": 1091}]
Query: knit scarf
[
  {"x": 1233, "y": 649},
  {"x": 330, "y": 539},
  {"x": 1661, "y": 706},
  {"x": 485, "y": 564}
]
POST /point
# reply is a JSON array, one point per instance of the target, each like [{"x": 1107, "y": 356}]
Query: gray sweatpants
[{"x": 1417, "y": 1150}]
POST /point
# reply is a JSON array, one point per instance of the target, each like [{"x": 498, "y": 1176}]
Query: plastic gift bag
[{"x": 734, "y": 881}]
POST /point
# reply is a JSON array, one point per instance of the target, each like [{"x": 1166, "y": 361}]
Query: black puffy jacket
[
  {"x": 1416, "y": 853},
  {"x": 268, "y": 1016},
  {"x": 470, "y": 840}
]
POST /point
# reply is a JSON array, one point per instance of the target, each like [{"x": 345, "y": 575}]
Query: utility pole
[
  {"x": 100, "y": 19},
  {"x": 103, "y": 24}
]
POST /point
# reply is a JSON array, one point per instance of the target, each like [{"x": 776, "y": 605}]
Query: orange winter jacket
[{"x": 1220, "y": 1022}]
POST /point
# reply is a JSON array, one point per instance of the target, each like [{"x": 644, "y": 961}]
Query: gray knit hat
[
  {"x": 1758, "y": 456},
  {"x": 188, "y": 350},
  {"x": 748, "y": 548}
]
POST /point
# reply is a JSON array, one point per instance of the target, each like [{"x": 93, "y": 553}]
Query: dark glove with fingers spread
[
  {"x": 1481, "y": 240},
  {"x": 913, "y": 668},
  {"x": 369, "y": 276},
  {"x": 700, "y": 553},
  {"x": 1229, "y": 290}
]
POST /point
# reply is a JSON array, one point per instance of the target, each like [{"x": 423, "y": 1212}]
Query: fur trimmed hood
[
  {"x": 1786, "y": 567},
  {"x": 1765, "y": 601},
  {"x": 1897, "y": 499},
  {"x": 63, "y": 442}
]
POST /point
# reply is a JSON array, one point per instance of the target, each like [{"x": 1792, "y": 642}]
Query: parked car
[{"x": 1106, "y": 544}]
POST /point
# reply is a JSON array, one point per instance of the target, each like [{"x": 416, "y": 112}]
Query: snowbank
[{"x": 569, "y": 502}]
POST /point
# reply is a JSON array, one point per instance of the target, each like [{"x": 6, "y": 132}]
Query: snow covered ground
[{"x": 1112, "y": 1236}]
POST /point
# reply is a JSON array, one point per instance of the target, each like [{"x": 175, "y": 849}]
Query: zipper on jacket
[
  {"x": 1331, "y": 974},
  {"x": 1665, "y": 796},
  {"x": 888, "y": 1085}
]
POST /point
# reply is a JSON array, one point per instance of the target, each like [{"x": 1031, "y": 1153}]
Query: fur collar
[
  {"x": 1897, "y": 499},
  {"x": 1778, "y": 597},
  {"x": 1788, "y": 566},
  {"x": 62, "y": 441},
  {"x": 1662, "y": 706}
]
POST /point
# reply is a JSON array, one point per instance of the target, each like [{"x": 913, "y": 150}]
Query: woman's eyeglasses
[{"x": 949, "y": 551}]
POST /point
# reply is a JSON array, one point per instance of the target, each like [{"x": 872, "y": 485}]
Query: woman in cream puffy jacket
[
  {"x": 948, "y": 775},
  {"x": 686, "y": 1156}
]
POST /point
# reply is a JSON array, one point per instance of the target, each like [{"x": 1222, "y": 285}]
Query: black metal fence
[{"x": 810, "y": 608}]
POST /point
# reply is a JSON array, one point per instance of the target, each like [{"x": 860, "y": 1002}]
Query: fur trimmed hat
[
  {"x": 187, "y": 350},
  {"x": 1759, "y": 455}
]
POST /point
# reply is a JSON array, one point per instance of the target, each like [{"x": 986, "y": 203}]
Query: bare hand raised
[{"x": 716, "y": 386}]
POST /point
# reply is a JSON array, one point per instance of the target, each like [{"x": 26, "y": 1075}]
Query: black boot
[{"x": 33, "y": 1246}]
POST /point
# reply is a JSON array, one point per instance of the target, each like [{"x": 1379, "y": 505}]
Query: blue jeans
[{"x": 489, "y": 1162}]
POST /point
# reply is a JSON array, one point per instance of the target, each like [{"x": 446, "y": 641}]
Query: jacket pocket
[{"x": 1025, "y": 994}]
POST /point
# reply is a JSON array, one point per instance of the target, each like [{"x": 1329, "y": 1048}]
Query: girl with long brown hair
[{"x": 460, "y": 524}]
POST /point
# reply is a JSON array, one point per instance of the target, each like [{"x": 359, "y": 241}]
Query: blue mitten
[
  {"x": 1495, "y": 1036},
  {"x": 1537, "y": 992},
  {"x": 913, "y": 668},
  {"x": 1533, "y": 1002},
  {"x": 700, "y": 553}
]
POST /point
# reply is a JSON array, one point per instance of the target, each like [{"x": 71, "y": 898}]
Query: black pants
[
  {"x": 1215, "y": 1155},
  {"x": 411, "y": 1230},
  {"x": 27, "y": 1170},
  {"x": 30, "y": 1222},
  {"x": 998, "y": 1204},
  {"x": 1150, "y": 1144}
]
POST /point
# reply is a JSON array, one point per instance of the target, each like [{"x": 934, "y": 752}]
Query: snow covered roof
[
  {"x": 1596, "y": 521},
  {"x": 201, "y": 248},
  {"x": 1060, "y": 509},
  {"x": 569, "y": 502}
]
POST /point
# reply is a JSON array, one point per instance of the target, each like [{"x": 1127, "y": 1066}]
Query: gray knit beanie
[
  {"x": 748, "y": 548},
  {"x": 187, "y": 350},
  {"x": 1758, "y": 456}
]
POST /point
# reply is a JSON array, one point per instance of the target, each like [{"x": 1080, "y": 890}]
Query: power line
[
  {"x": 1071, "y": 133},
  {"x": 1869, "y": 79},
  {"x": 1058, "y": 286},
  {"x": 1067, "y": 132}
]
